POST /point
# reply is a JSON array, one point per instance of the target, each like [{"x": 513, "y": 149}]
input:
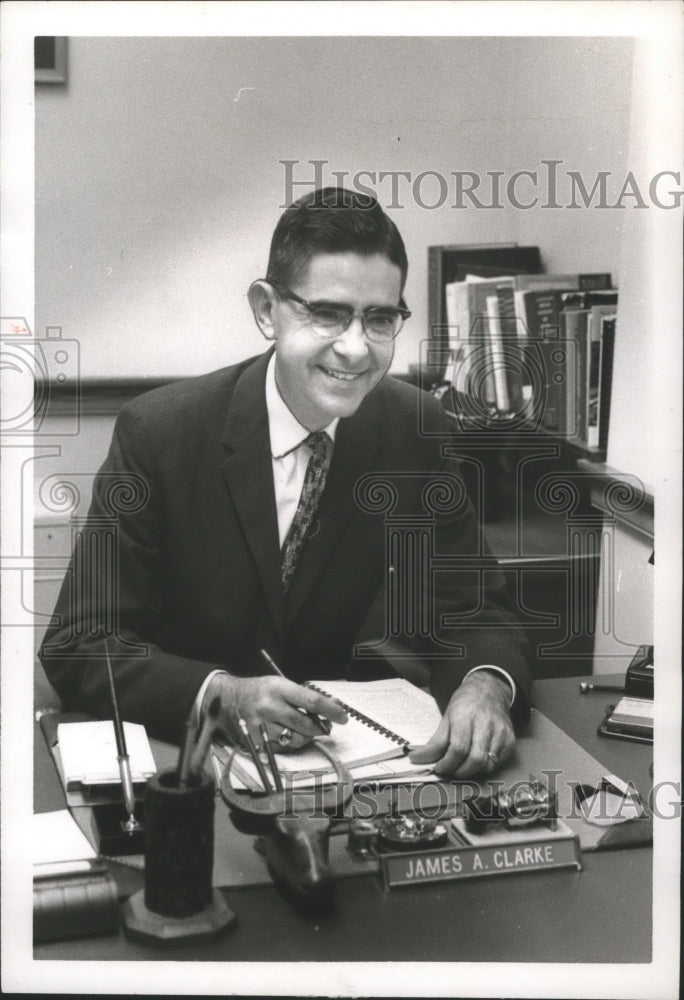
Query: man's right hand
[{"x": 275, "y": 701}]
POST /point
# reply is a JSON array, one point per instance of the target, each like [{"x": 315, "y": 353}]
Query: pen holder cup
[
  {"x": 178, "y": 903},
  {"x": 179, "y": 845}
]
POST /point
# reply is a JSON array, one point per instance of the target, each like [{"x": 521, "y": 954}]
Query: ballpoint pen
[
  {"x": 131, "y": 825},
  {"x": 323, "y": 725}
]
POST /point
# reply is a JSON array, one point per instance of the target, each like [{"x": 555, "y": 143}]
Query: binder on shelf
[
  {"x": 588, "y": 392},
  {"x": 498, "y": 358},
  {"x": 598, "y": 428}
]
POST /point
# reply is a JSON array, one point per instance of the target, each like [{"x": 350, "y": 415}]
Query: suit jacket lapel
[
  {"x": 356, "y": 444},
  {"x": 248, "y": 471}
]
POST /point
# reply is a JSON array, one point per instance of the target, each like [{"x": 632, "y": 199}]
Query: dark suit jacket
[{"x": 180, "y": 561}]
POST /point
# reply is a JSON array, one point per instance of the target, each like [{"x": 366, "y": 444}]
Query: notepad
[
  {"x": 386, "y": 718},
  {"x": 87, "y": 753}
]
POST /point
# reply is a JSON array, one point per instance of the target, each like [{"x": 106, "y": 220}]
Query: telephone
[{"x": 639, "y": 677}]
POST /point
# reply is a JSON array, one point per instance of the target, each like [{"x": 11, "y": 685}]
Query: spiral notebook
[{"x": 386, "y": 719}]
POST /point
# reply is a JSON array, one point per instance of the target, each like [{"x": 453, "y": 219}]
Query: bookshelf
[{"x": 522, "y": 362}]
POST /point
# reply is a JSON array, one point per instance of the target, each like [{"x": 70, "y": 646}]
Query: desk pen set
[{"x": 175, "y": 829}]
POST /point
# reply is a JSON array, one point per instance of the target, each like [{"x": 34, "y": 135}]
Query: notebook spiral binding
[{"x": 366, "y": 720}]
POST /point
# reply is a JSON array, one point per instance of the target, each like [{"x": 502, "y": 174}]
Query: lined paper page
[{"x": 394, "y": 702}]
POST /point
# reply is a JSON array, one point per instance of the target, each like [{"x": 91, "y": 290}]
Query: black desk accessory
[
  {"x": 640, "y": 674},
  {"x": 178, "y": 904},
  {"x": 587, "y": 686},
  {"x": 293, "y": 827},
  {"x": 410, "y": 832},
  {"x": 113, "y": 840},
  {"x": 362, "y": 839},
  {"x": 525, "y": 805}
]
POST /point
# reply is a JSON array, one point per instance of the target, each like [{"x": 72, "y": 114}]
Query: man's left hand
[{"x": 476, "y": 733}]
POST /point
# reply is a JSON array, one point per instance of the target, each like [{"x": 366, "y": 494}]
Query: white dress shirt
[
  {"x": 290, "y": 457},
  {"x": 289, "y": 454}
]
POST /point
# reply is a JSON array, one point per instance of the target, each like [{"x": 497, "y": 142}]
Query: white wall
[
  {"x": 645, "y": 423},
  {"x": 648, "y": 358},
  {"x": 157, "y": 188},
  {"x": 626, "y": 594}
]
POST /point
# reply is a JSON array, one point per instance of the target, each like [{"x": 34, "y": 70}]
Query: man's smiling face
[{"x": 322, "y": 378}]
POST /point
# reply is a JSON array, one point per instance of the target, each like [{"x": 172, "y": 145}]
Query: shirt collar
[{"x": 285, "y": 430}]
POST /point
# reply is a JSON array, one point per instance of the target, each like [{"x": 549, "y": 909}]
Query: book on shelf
[
  {"x": 580, "y": 299},
  {"x": 457, "y": 369},
  {"x": 588, "y": 389},
  {"x": 547, "y": 357},
  {"x": 602, "y": 345},
  {"x": 472, "y": 367},
  {"x": 496, "y": 355},
  {"x": 573, "y": 331},
  {"x": 575, "y": 324},
  {"x": 503, "y": 310}
]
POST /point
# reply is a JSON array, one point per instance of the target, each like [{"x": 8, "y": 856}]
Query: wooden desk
[{"x": 601, "y": 914}]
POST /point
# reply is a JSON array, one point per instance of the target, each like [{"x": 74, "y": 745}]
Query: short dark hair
[{"x": 332, "y": 220}]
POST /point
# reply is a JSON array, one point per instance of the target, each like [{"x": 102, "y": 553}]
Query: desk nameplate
[{"x": 450, "y": 864}]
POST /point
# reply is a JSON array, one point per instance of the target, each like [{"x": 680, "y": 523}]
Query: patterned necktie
[{"x": 314, "y": 483}]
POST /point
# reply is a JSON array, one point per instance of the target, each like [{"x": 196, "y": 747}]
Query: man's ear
[{"x": 262, "y": 299}]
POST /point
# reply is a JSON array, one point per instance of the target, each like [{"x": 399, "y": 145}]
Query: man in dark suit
[{"x": 209, "y": 538}]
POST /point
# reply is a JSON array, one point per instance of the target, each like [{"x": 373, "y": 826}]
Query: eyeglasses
[{"x": 331, "y": 319}]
